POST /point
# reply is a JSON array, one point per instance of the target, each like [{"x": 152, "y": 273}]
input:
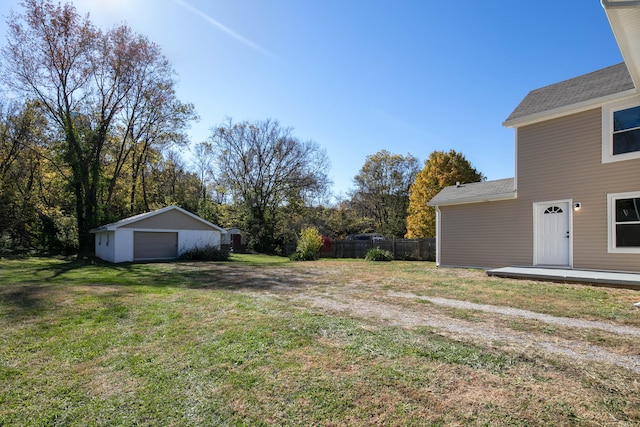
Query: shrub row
[{"x": 205, "y": 253}]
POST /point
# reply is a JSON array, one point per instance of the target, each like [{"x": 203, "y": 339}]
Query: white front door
[{"x": 553, "y": 233}]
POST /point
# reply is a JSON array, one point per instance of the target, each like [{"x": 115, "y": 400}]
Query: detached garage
[{"x": 159, "y": 235}]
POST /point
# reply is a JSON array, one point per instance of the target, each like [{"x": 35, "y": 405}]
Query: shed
[
  {"x": 163, "y": 234},
  {"x": 236, "y": 239}
]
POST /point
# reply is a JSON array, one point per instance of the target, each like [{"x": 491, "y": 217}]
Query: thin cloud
[{"x": 225, "y": 29}]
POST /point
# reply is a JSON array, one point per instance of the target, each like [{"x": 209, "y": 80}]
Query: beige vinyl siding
[
  {"x": 489, "y": 234},
  {"x": 558, "y": 159},
  {"x": 561, "y": 159},
  {"x": 170, "y": 220}
]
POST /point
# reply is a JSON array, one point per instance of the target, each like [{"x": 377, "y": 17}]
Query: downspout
[{"x": 438, "y": 234}]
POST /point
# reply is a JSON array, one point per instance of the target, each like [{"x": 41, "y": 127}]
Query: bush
[
  {"x": 205, "y": 253},
  {"x": 377, "y": 254},
  {"x": 309, "y": 245},
  {"x": 298, "y": 256}
]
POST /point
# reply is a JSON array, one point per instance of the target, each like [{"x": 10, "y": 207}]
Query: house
[
  {"x": 159, "y": 235},
  {"x": 575, "y": 200}
]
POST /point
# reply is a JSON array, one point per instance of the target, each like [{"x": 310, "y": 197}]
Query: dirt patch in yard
[
  {"x": 487, "y": 334},
  {"x": 396, "y": 296},
  {"x": 375, "y": 298}
]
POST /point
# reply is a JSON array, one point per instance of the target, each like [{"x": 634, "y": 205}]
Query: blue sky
[{"x": 359, "y": 76}]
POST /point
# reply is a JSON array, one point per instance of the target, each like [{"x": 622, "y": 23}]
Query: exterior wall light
[{"x": 577, "y": 206}]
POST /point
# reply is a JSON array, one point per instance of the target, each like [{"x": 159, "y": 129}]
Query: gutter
[
  {"x": 479, "y": 199},
  {"x": 612, "y": 4}
]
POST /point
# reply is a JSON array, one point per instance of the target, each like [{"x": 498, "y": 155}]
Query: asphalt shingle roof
[
  {"x": 475, "y": 192},
  {"x": 133, "y": 219},
  {"x": 594, "y": 85}
]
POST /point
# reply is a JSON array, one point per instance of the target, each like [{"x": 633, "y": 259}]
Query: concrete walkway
[{"x": 607, "y": 278}]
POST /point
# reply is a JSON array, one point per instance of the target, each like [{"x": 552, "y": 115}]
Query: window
[
  {"x": 621, "y": 131},
  {"x": 553, "y": 210},
  {"x": 626, "y": 131},
  {"x": 624, "y": 222}
]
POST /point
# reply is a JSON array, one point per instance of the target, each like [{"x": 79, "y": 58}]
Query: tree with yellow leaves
[{"x": 441, "y": 170}]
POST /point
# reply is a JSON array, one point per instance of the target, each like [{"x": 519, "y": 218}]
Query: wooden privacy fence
[{"x": 402, "y": 249}]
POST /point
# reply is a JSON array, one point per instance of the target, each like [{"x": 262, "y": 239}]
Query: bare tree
[
  {"x": 203, "y": 162},
  {"x": 86, "y": 81},
  {"x": 266, "y": 170},
  {"x": 151, "y": 117}
]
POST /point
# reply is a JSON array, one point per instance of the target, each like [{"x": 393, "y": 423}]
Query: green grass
[
  {"x": 201, "y": 344},
  {"x": 256, "y": 259}
]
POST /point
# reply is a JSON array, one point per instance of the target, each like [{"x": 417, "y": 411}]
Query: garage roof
[{"x": 143, "y": 216}]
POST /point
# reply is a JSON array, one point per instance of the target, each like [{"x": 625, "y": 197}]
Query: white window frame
[
  {"x": 611, "y": 220},
  {"x": 607, "y": 130}
]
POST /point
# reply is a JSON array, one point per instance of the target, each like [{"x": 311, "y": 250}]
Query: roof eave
[
  {"x": 100, "y": 229},
  {"x": 624, "y": 19},
  {"x": 480, "y": 199}
]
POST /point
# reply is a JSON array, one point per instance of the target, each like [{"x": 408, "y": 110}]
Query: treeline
[
  {"x": 38, "y": 201},
  {"x": 91, "y": 131}
]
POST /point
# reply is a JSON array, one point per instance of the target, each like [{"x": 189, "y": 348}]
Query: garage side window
[
  {"x": 624, "y": 222},
  {"x": 621, "y": 131}
]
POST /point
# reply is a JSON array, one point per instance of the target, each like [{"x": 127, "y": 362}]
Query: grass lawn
[{"x": 233, "y": 343}]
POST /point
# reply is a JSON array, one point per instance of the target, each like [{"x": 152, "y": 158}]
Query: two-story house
[{"x": 575, "y": 199}]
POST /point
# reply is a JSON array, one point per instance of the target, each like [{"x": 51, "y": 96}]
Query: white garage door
[{"x": 154, "y": 245}]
